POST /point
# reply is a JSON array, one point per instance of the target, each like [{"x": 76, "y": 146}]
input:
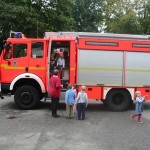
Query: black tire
[
  {"x": 41, "y": 96},
  {"x": 103, "y": 101},
  {"x": 118, "y": 100},
  {"x": 26, "y": 97}
]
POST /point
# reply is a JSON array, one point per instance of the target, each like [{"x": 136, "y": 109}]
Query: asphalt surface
[{"x": 102, "y": 129}]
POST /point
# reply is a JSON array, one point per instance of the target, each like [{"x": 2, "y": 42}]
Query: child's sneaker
[{"x": 140, "y": 122}]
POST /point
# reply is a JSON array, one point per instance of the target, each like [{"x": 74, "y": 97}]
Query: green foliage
[
  {"x": 87, "y": 15},
  {"x": 34, "y": 17},
  {"x": 20, "y": 15},
  {"x": 60, "y": 15},
  {"x": 125, "y": 16},
  {"x": 127, "y": 23},
  {"x": 144, "y": 17}
]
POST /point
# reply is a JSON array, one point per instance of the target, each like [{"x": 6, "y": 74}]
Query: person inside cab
[
  {"x": 66, "y": 57},
  {"x": 61, "y": 62},
  {"x": 52, "y": 63}
]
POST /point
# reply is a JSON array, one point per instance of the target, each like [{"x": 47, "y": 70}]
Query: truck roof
[{"x": 97, "y": 35}]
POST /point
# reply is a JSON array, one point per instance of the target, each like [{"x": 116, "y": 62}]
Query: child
[
  {"x": 82, "y": 102},
  {"x": 61, "y": 62},
  {"x": 69, "y": 100},
  {"x": 139, "y": 106},
  {"x": 74, "y": 88}
]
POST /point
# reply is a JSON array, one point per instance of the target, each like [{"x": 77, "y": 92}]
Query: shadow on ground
[
  {"x": 96, "y": 106},
  {"x": 91, "y": 107}
]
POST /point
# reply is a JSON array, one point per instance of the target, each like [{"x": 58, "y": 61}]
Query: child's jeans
[
  {"x": 69, "y": 111},
  {"x": 81, "y": 107},
  {"x": 137, "y": 115}
]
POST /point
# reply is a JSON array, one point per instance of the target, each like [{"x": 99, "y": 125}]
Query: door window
[
  {"x": 20, "y": 50},
  {"x": 37, "y": 50}
]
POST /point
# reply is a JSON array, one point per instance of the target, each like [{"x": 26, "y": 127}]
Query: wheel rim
[
  {"x": 118, "y": 99},
  {"x": 26, "y": 98}
]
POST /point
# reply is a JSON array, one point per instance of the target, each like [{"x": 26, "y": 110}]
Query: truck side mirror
[
  {"x": 4, "y": 46},
  {"x": 8, "y": 47},
  {"x": 8, "y": 52}
]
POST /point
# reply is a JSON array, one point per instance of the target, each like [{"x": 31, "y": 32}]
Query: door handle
[
  {"x": 37, "y": 65},
  {"x": 9, "y": 62},
  {"x": 26, "y": 69}
]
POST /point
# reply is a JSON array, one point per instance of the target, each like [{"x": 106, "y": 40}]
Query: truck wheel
[
  {"x": 41, "y": 96},
  {"x": 118, "y": 100},
  {"x": 26, "y": 97}
]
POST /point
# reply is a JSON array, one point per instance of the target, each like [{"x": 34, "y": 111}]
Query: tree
[
  {"x": 34, "y": 17},
  {"x": 143, "y": 11},
  {"x": 126, "y": 16},
  {"x": 87, "y": 15},
  {"x": 127, "y": 23},
  {"x": 59, "y": 15},
  {"x": 21, "y": 16}
]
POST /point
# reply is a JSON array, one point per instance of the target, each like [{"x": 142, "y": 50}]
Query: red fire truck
[{"x": 112, "y": 66}]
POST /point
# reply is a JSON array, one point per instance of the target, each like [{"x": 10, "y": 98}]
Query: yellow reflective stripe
[
  {"x": 137, "y": 70},
  {"x": 12, "y": 67},
  {"x": 4, "y": 65},
  {"x": 111, "y": 83},
  {"x": 37, "y": 68},
  {"x": 72, "y": 68},
  {"x": 95, "y": 83},
  {"x": 7, "y": 67},
  {"x": 112, "y": 69},
  {"x": 100, "y": 69}
]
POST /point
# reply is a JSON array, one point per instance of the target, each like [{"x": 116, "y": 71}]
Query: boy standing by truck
[
  {"x": 82, "y": 102},
  {"x": 69, "y": 100},
  {"x": 55, "y": 89}
]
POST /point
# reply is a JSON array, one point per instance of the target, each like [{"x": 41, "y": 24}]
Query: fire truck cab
[{"x": 112, "y": 66}]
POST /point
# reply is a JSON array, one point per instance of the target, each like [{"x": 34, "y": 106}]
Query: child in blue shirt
[
  {"x": 69, "y": 100},
  {"x": 138, "y": 106}
]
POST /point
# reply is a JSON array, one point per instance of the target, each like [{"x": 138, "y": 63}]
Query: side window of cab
[
  {"x": 15, "y": 51},
  {"x": 37, "y": 49},
  {"x": 20, "y": 50}
]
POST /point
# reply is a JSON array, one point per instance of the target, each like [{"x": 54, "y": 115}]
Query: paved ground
[{"x": 102, "y": 130}]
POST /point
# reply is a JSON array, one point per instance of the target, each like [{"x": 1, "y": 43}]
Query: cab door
[
  {"x": 37, "y": 59},
  {"x": 14, "y": 61}
]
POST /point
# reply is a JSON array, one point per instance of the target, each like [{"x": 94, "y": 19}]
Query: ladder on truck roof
[{"x": 98, "y": 35}]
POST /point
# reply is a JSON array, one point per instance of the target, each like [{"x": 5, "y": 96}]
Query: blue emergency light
[{"x": 17, "y": 35}]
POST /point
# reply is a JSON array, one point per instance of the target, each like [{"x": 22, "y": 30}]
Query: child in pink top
[{"x": 74, "y": 88}]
